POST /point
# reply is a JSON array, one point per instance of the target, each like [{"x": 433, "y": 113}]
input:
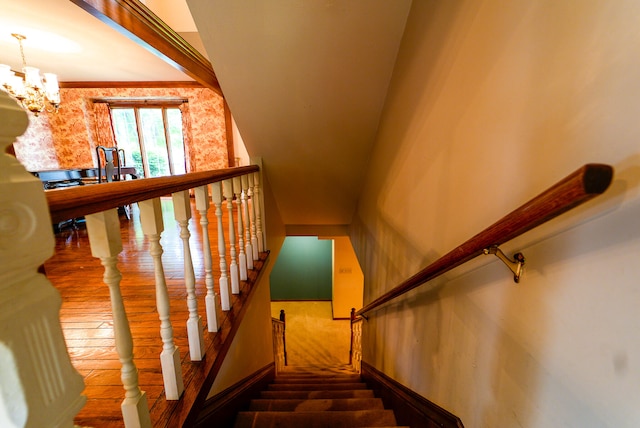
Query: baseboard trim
[
  {"x": 221, "y": 409},
  {"x": 409, "y": 407}
]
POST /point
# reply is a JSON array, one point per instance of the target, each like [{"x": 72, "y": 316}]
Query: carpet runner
[{"x": 316, "y": 397}]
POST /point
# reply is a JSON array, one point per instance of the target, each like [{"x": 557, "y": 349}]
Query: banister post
[
  {"x": 258, "y": 207},
  {"x": 252, "y": 216},
  {"x": 202, "y": 205},
  {"x": 242, "y": 258},
  {"x": 245, "y": 207},
  {"x": 182, "y": 211},
  {"x": 153, "y": 226},
  {"x": 39, "y": 385},
  {"x": 104, "y": 238},
  {"x": 216, "y": 198},
  {"x": 227, "y": 188}
]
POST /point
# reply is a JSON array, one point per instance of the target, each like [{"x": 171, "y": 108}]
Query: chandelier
[{"x": 31, "y": 91}]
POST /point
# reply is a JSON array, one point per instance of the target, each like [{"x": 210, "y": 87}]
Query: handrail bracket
[{"x": 516, "y": 266}]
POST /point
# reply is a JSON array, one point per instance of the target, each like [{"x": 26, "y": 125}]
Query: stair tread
[
  {"x": 322, "y": 404},
  {"x": 336, "y": 369},
  {"x": 315, "y": 386},
  {"x": 317, "y": 397},
  {"x": 356, "y": 393},
  {"x": 318, "y": 379},
  {"x": 336, "y": 419}
]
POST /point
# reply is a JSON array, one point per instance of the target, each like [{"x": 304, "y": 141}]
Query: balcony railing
[{"x": 36, "y": 368}]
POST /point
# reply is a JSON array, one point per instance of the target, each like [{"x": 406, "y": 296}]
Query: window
[{"x": 151, "y": 137}]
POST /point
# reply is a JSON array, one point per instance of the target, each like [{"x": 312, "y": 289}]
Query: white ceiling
[
  {"x": 64, "y": 39},
  {"x": 306, "y": 80}
]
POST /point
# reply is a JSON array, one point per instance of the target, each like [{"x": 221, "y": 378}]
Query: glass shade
[
  {"x": 32, "y": 77},
  {"x": 51, "y": 88}
]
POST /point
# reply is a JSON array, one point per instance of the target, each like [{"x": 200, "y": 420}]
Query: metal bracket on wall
[{"x": 515, "y": 266}]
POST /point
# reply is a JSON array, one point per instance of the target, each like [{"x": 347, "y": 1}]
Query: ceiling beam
[{"x": 137, "y": 22}]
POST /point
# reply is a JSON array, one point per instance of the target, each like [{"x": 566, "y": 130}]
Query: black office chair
[{"x": 110, "y": 162}]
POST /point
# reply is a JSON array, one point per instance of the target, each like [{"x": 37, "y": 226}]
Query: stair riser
[
  {"x": 340, "y": 404},
  {"x": 316, "y": 398},
  {"x": 317, "y": 379},
  {"x": 315, "y": 386},
  {"x": 350, "y": 419},
  {"x": 361, "y": 393}
]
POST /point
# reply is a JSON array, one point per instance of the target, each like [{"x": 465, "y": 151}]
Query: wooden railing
[
  {"x": 36, "y": 365},
  {"x": 355, "y": 349},
  {"x": 577, "y": 188},
  {"x": 278, "y": 329},
  {"x": 82, "y": 200}
]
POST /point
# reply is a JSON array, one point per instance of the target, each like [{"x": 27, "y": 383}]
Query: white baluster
[
  {"x": 202, "y": 205},
  {"x": 152, "y": 227},
  {"x": 252, "y": 215},
  {"x": 104, "y": 238},
  {"x": 39, "y": 386},
  {"x": 182, "y": 212},
  {"x": 247, "y": 234},
  {"x": 242, "y": 258},
  {"x": 258, "y": 207},
  {"x": 227, "y": 188},
  {"x": 216, "y": 198}
]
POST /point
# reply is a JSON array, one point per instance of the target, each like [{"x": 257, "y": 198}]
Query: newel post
[
  {"x": 352, "y": 319},
  {"x": 284, "y": 336},
  {"x": 38, "y": 385}
]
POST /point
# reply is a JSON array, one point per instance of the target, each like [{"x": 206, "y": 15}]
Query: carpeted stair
[{"x": 316, "y": 397}]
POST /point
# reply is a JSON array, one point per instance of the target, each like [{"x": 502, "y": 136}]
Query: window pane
[
  {"x": 174, "y": 119},
  {"x": 126, "y": 134},
  {"x": 155, "y": 144}
]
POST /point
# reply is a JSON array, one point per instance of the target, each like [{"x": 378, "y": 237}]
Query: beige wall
[
  {"x": 252, "y": 347},
  {"x": 491, "y": 102},
  {"x": 348, "y": 280}
]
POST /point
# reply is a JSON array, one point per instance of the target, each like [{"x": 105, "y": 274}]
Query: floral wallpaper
[
  {"x": 67, "y": 139},
  {"x": 35, "y": 149}
]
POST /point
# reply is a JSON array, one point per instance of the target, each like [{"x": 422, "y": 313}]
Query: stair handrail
[
  {"x": 578, "y": 187},
  {"x": 78, "y": 201}
]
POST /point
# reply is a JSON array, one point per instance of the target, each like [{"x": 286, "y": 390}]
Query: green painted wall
[{"x": 303, "y": 270}]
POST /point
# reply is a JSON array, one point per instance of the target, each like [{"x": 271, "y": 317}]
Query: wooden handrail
[
  {"x": 78, "y": 201},
  {"x": 577, "y": 188}
]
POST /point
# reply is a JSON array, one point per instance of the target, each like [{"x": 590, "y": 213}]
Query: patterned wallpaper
[{"x": 68, "y": 139}]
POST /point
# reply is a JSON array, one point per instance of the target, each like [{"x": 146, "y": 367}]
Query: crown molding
[
  {"x": 134, "y": 20},
  {"x": 154, "y": 84}
]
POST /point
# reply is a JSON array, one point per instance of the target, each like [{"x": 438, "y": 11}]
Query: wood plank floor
[{"x": 86, "y": 311}]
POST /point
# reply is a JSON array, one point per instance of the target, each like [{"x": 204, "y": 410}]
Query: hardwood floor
[{"x": 87, "y": 322}]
